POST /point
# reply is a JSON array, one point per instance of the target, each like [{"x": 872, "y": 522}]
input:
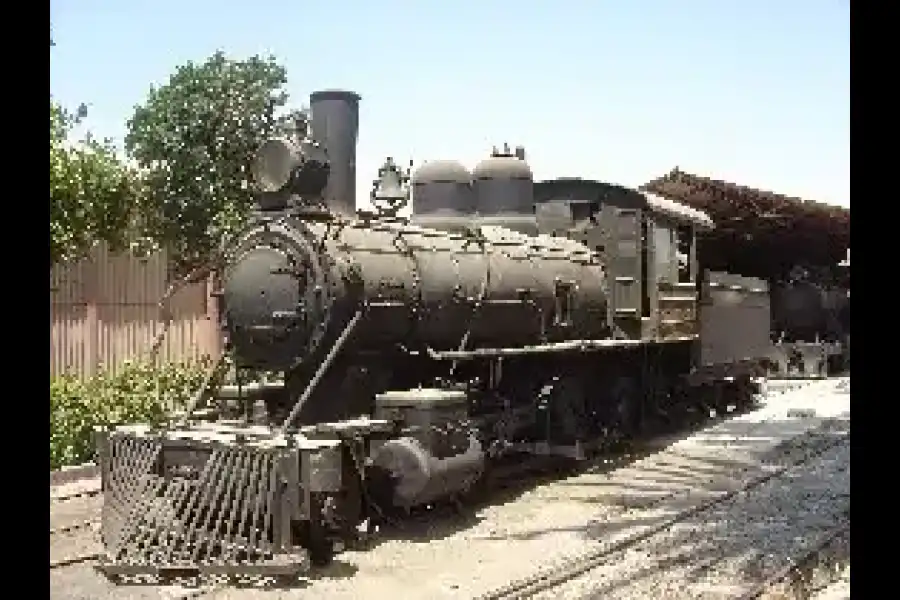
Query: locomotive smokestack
[{"x": 335, "y": 125}]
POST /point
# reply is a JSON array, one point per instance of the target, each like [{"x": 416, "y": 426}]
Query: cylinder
[
  {"x": 285, "y": 291},
  {"x": 419, "y": 477},
  {"x": 335, "y": 125}
]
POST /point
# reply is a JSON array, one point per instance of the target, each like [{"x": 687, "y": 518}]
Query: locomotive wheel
[
  {"x": 380, "y": 489},
  {"x": 316, "y": 537},
  {"x": 624, "y": 403},
  {"x": 569, "y": 420},
  {"x": 662, "y": 398},
  {"x": 745, "y": 390}
]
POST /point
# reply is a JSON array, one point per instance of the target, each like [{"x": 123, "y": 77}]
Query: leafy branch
[
  {"x": 194, "y": 138},
  {"x": 93, "y": 194}
]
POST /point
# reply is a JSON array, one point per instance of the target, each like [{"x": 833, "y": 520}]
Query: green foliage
[
  {"x": 137, "y": 393},
  {"x": 93, "y": 194},
  {"x": 195, "y": 137}
]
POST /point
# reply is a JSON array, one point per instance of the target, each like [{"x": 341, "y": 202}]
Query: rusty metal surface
[
  {"x": 734, "y": 319},
  {"x": 488, "y": 288},
  {"x": 227, "y": 511}
]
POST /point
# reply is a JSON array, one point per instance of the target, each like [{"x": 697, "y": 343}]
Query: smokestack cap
[{"x": 345, "y": 95}]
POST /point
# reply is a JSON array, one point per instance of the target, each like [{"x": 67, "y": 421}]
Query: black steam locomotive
[{"x": 506, "y": 316}]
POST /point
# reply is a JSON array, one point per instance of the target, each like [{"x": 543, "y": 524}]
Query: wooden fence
[{"x": 105, "y": 310}]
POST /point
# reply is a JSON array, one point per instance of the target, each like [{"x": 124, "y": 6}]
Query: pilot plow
[{"x": 208, "y": 499}]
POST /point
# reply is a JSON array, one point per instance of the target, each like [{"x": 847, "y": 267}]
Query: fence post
[
  {"x": 212, "y": 315},
  {"x": 91, "y": 321}
]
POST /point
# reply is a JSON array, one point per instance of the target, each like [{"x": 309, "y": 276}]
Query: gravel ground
[
  {"x": 468, "y": 555},
  {"x": 723, "y": 551},
  {"x": 839, "y": 590},
  {"x": 827, "y": 578}
]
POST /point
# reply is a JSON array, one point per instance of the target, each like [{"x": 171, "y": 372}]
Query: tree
[
  {"x": 194, "y": 138},
  {"x": 93, "y": 194}
]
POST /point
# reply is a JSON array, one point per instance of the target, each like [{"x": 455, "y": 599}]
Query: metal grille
[{"x": 232, "y": 517}]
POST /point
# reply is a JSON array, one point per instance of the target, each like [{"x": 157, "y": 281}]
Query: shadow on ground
[
  {"x": 443, "y": 521},
  {"x": 707, "y": 546}
]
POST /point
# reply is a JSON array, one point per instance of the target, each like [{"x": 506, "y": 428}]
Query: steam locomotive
[{"x": 505, "y": 317}]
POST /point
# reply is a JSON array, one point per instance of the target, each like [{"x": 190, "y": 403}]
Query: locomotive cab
[{"x": 647, "y": 243}]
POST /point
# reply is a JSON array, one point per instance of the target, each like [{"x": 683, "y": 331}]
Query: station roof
[
  {"x": 678, "y": 210},
  {"x": 759, "y": 233}
]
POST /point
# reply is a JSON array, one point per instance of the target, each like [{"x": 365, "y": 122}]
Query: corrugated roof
[
  {"x": 758, "y": 232},
  {"x": 679, "y": 211}
]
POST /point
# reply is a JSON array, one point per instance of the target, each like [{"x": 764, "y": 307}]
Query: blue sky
[{"x": 755, "y": 92}]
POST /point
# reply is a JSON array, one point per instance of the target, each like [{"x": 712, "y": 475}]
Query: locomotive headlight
[
  {"x": 283, "y": 169},
  {"x": 274, "y": 164}
]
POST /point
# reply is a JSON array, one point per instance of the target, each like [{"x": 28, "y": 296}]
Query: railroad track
[
  {"x": 534, "y": 471},
  {"x": 552, "y": 577},
  {"x": 502, "y": 483},
  {"x": 76, "y": 549},
  {"x": 74, "y": 527},
  {"x": 74, "y": 560},
  {"x": 87, "y": 491},
  {"x": 796, "y": 574},
  {"x": 74, "y": 518}
]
